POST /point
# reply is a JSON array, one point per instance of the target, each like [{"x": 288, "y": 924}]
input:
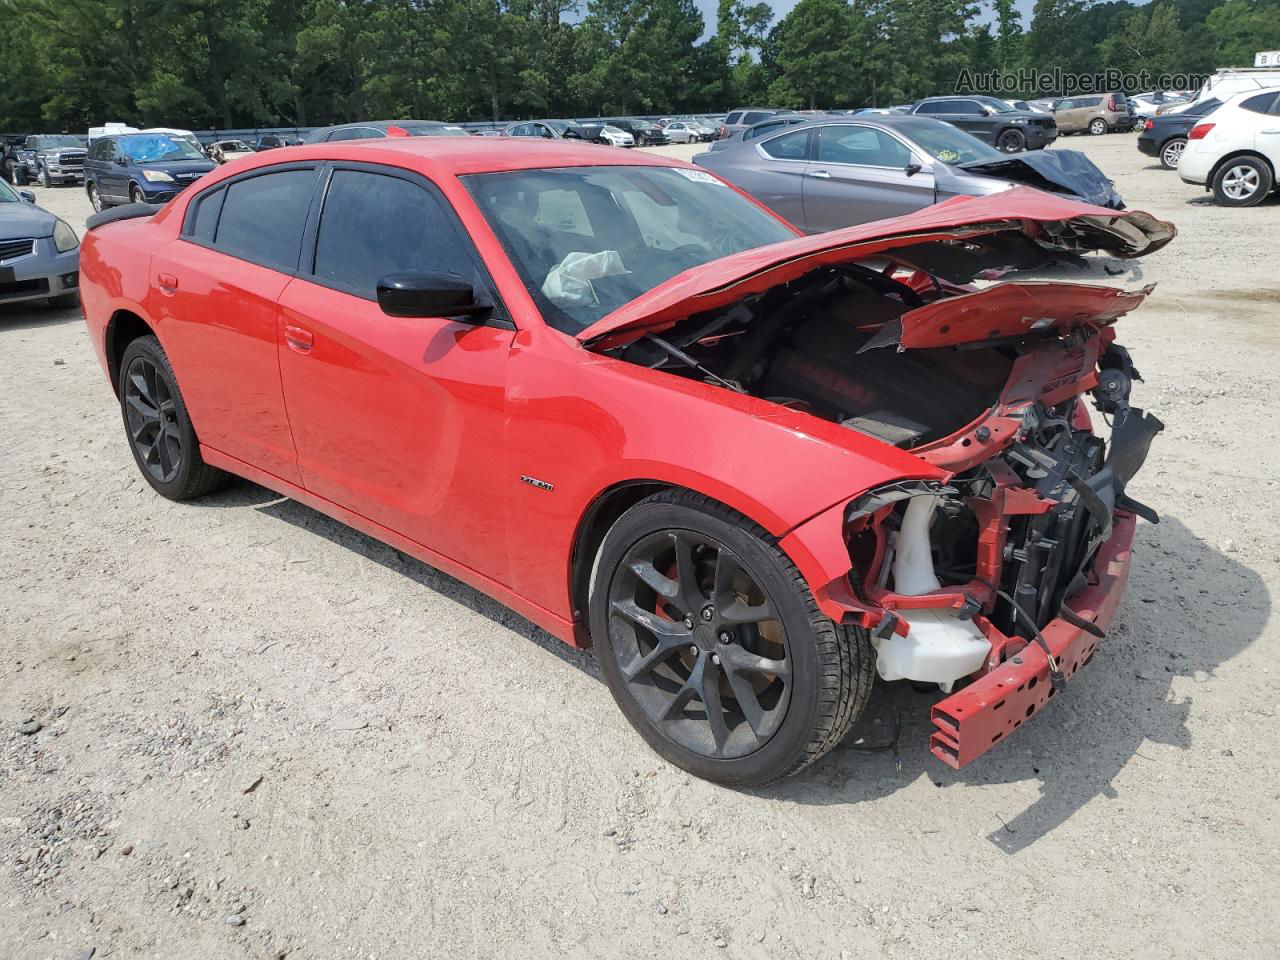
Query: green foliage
[{"x": 69, "y": 64}]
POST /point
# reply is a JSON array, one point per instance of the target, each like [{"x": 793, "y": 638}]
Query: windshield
[
  {"x": 8, "y": 194},
  {"x": 157, "y": 147},
  {"x": 950, "y": 144},
  {"x": 586, "y": 240},
  {"x": 1203, "y": 107},
  {"x": 66, "y": 140}
]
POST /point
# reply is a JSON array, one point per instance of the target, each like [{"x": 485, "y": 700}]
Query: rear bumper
[
  {"x": 975, "y": 719},
  {"x": 1148, "y": 145}
]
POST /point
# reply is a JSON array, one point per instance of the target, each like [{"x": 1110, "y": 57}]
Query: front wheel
[
  {"x": 1242, "y": 182},
  {"x": 1171, "y": 152},
  {"x": 159, "y": 430},
  {"x": 135, "y": 195},
  {"x": 45, "y": 179},
  {"x": 1098, "y": 127},
  {"x": 713, "y": 646},
  {"x": 95, "y": 198},
  {"x": 1012, "y": 141}
]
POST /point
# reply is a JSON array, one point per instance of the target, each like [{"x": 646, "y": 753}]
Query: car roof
[{"x": 459, "y": 156}]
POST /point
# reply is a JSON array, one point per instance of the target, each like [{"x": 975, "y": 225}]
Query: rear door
[
  {"x": 113, "y": 178},
  {"x": 774, "y": 173},
  {"x": 216, "y": 290},
  {"x": 398, "y": 419},
  {"x": 861, "y": 173},
  {"x": 1260, "y": 114}
]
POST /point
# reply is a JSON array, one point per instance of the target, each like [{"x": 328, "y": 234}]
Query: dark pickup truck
[{"x": 52, "y": 158}]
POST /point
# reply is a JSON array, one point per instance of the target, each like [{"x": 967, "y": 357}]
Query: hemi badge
[{"x": 535, "y": 482}]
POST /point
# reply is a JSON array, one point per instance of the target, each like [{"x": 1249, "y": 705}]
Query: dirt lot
[{"x": 265, "y": 734}]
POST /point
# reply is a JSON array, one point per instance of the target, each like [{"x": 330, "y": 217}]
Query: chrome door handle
[{"x": 820, "y": 174}]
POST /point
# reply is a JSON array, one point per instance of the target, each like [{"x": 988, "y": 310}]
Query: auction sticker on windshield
[
  {"x": 948, "y": 156},
  {"x": 698, "y": 176}
]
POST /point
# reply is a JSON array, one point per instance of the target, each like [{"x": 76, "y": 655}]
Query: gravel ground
[{"x": 263, "y": 734}]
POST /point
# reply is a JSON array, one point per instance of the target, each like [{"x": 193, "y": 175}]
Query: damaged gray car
[{"x": 830, "y": 173}]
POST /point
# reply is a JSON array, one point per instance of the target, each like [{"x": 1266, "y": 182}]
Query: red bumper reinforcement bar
[{"x": 973, "y": 720}]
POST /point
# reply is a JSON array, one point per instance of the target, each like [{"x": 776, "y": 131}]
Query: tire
[
  {"x": 1011, "y": 141},
  {"x": 65, "y": 301},
  {"x": 1097, "y": 126},
  {"x": 157, "y": 426},
  {"x": 45, "y": 179},
  {"x": 657, "y": 653},
  {"x": 95, "y": 198},
  {"x": 135, "y": 194},
  {"x": 1242, "y": 182},
  {"x": 1171, "y": 152}
]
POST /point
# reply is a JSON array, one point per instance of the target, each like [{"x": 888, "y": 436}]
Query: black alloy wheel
[
  {"x": 713, "y": 646},
  {"x": 699, "y": 644},
  {"x": 160, "y": 434},
  {"x": 1012, "y": 141},
  {"x": 152, "y": 418}
]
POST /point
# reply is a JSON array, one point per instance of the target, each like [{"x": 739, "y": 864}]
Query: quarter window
[
  {"x": 1261, "y": 103},
  {"x": 374, "y": 224},
  {"x": 755, "y": 117},
  {"x": 862, "y": 146},
  {"x": 263, "y": 218},
  {"x": 789, "y": 146}
]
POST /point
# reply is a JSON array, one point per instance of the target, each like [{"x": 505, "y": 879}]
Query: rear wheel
[
  {"x": 160, "y": 434},
  {"x": 1171, "y": 152},
  {"x": 714, "y": 648},
  {"x": 1242, "y": 182},
  {"x": 1098, "y": 127},
  {"x": 1012, "y": 141}
]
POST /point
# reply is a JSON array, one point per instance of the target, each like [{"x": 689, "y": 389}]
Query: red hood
[{"x": 1054, "y": 223}]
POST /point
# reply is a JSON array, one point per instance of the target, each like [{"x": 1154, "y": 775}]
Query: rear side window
[
  {"x": 755, "y": 117},
  {"x": 732, "y": 118},
  {"x": 373, "y": 224},
  {"x": 1261, "y": 103},
  {"x": 789, "y": 146},
  {"x": 1088, "y": 102},
  {"x": 205, "y": 222},
  {"x": 263, "y": 218}
]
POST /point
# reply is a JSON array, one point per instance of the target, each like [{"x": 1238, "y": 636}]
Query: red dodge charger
[{"x": 751, "y": 469}]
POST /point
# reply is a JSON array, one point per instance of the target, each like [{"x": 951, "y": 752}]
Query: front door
[
  {"x": 398, "y": 419},
  {"x": 862, "y": 173}
]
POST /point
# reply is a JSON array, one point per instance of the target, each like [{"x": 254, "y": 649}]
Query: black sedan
[{"x": 1164, "y": 136}]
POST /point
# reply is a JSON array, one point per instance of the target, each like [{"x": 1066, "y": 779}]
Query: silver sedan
[
  {"x": 828, "y": 173},
  {"x": 39, "y": 253}
]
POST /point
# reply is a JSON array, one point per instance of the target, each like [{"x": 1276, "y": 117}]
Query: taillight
[
  {"x": 1149, "y": 124},
  {"x": 1111, "y": 102},
  {"x": 1200, "y": 131},
  {"x": 724, "y": 132},
  {"x": 394, "y": 131}
]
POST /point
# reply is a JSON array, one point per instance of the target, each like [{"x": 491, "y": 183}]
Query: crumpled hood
[
  {"x": 21, "y": 220},
  {"x": 1013, "y": 228},
  {"x": 1053, "y": 170}
]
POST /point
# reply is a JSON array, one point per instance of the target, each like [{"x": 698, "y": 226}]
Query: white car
[
  {"x": 617, "y": 137},
  {"x": 1235, "y": 151},
  {"x": 226, "y": 150}
]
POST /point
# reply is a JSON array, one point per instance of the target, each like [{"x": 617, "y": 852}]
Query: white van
[
  {"x": 1229, "y": 81},
  {"x": 110, "y": 130}
]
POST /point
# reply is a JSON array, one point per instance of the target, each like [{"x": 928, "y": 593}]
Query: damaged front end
[{"x": 997, "y": 581}]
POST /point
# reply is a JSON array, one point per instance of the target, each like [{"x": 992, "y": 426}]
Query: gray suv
[{"x": 52, "y": 158}]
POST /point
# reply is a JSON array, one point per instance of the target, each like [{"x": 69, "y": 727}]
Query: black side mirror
[
  {"x": 423, "y": 294},
  {"x": 121, "y": 162},
  {"x": 27, "y": 195},
  {"x": 913, "y": 168}
]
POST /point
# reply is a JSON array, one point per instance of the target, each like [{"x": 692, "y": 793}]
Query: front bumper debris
[{"x": 972, "y": 721}]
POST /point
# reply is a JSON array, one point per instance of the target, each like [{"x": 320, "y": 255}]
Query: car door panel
[
  {"x": 218, "y": 324},
  {"x": 839, "y": 192},
  {"x": 398, "y": 419}
]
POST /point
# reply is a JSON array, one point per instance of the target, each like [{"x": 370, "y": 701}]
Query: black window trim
[
  {"x": 500, "y": 317},
  {"x": 189, "y": 215}
]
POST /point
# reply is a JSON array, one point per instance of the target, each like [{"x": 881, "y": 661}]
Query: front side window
[
  {"x": 586, "y": 240},
  {"x": 861, "y": 146},
  {"x": 374, "y": 224},
  {"x": 263, "y": 217},
  {"x": 789, "y": 146}
]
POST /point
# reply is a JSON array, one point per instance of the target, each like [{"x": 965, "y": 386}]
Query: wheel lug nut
[
  {"x": 726, "y": 636},
  {"x": 688, "y": 623},
  {"x": 693, "y": 650},
  {"x": 715, "y": 660},
  {"x": 708, "y": 612}
]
